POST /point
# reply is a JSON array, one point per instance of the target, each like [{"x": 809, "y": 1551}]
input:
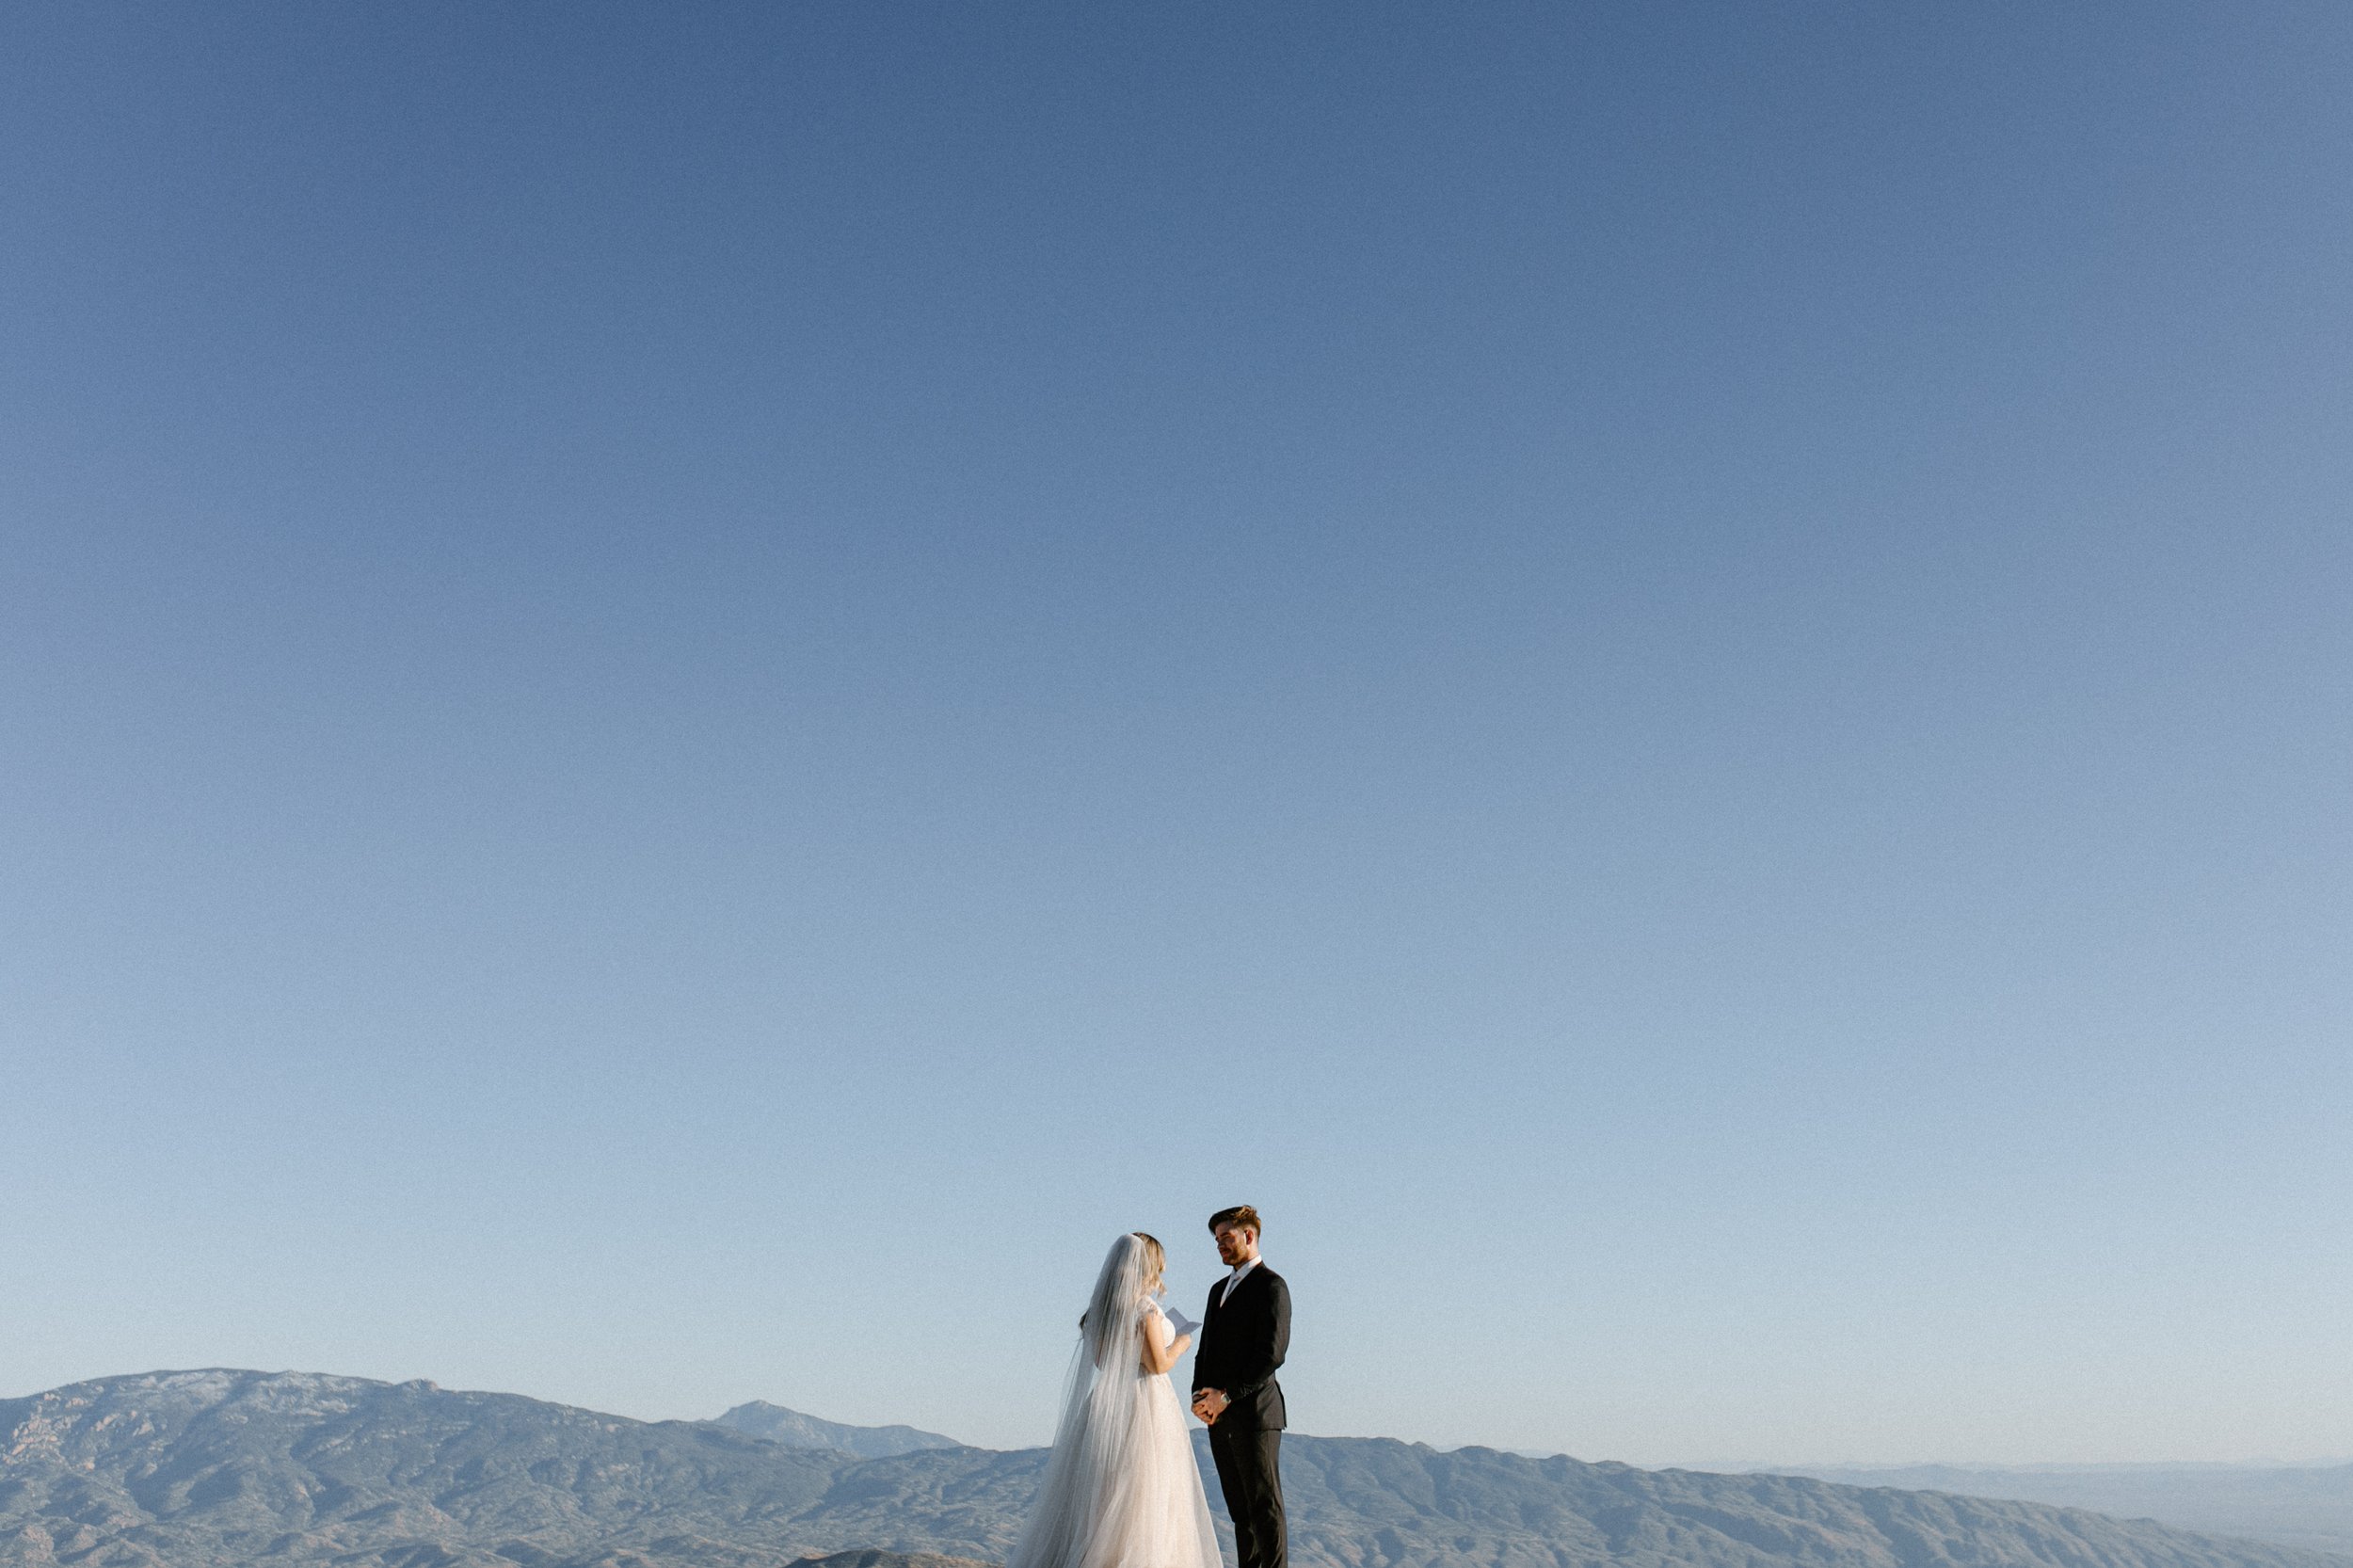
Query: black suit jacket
[{"x": 1242, "y": 1343}]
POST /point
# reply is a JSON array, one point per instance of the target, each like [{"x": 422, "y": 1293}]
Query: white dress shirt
[{"x": 1233, "y": 1279}]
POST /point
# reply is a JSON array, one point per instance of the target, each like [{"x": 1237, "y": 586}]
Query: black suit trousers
[{"x": 1249, "y": 1473}]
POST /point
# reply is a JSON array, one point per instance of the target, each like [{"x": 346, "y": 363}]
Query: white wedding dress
[{"x": 1121, "y": 1489}]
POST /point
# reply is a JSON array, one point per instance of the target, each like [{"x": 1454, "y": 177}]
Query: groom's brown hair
[{"x": 1243, "y": 1218}]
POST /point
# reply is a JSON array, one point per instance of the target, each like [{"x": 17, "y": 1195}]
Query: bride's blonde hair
[{"x": 1155, "y": 1261}]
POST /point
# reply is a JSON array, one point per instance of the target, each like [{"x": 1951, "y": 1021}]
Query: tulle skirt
[{"x": 1129, "y": 1498}]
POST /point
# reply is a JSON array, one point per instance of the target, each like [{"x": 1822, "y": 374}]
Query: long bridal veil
[{"x": 1121, "y": 1489}]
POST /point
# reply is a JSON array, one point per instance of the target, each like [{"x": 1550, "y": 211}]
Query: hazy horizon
[{"x": 1732, "y": 1466}]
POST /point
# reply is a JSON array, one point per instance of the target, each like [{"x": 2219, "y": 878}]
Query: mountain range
[
  {"x": 2298, "y": 1505},
  {"x": 795, "y": 1431},
  {"x": 205, "y": 1469}
]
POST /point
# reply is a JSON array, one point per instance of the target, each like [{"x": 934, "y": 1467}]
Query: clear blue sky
[{"x": 692, "y": 693}]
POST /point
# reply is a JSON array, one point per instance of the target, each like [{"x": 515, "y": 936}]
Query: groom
[{"x": 1244, "y": 1336}]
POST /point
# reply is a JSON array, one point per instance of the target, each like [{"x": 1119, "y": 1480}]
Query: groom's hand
[{"x": 1209, "y": 1404}]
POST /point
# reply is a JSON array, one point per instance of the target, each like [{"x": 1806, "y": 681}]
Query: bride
[{"x": 1121, "y": 1487}]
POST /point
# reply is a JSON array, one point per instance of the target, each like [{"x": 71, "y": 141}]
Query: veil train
[{"x": 1121, "y": 1488}]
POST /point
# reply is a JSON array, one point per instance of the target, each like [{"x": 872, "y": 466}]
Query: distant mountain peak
[{"x": 794, "y": 1430}]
